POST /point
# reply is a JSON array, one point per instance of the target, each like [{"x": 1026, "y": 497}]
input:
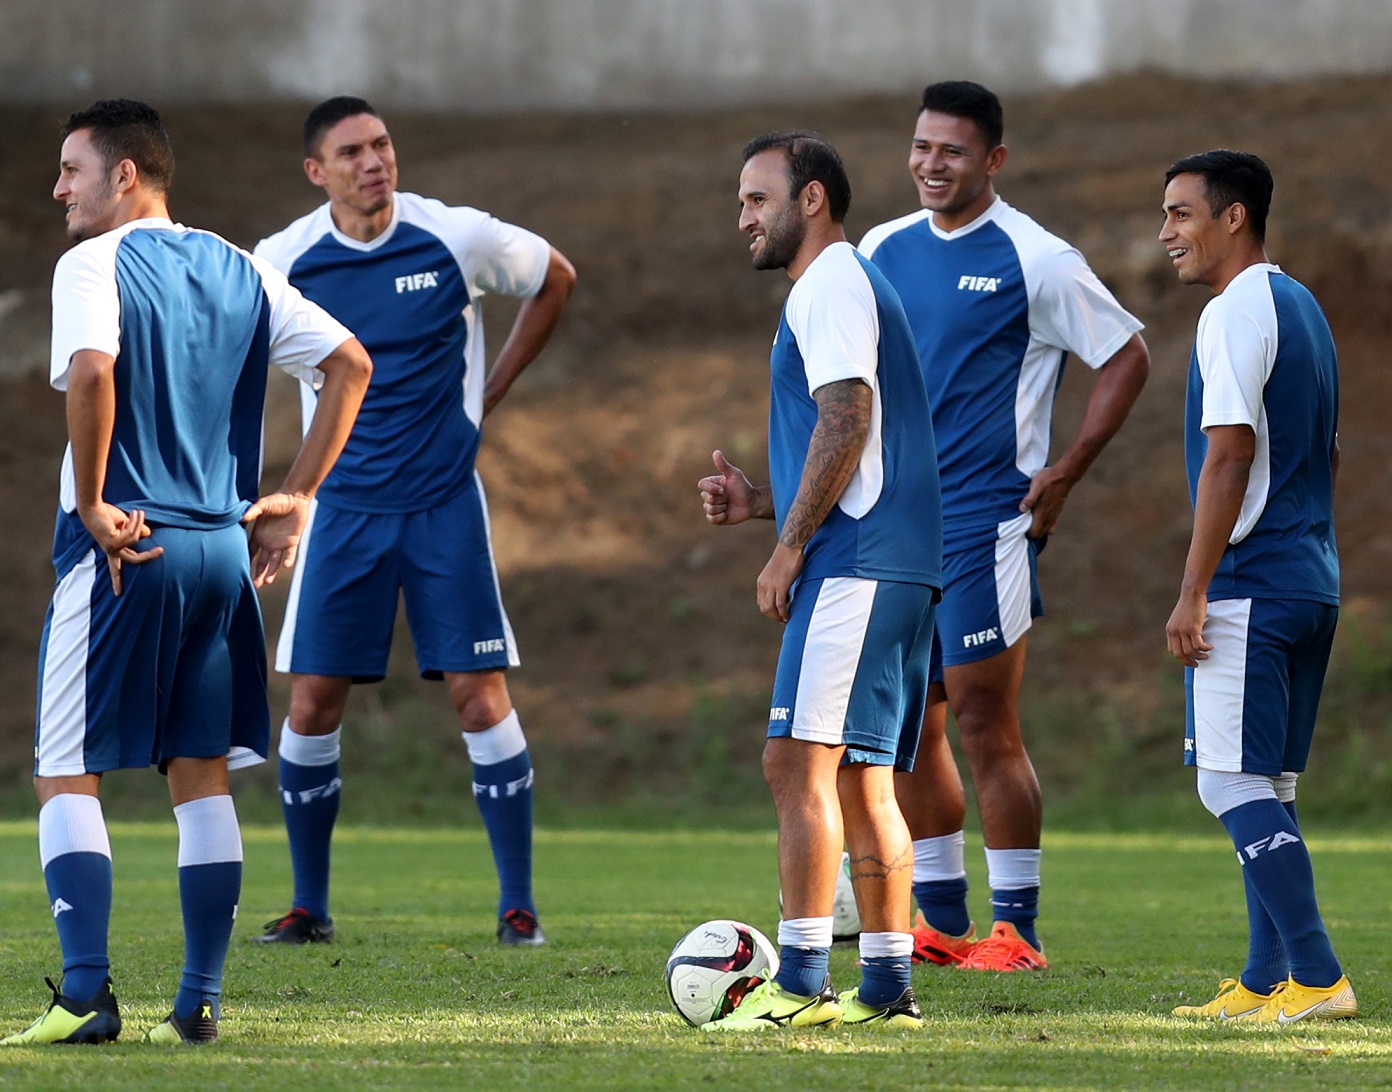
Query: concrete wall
[{"x": 495, "y": 55}]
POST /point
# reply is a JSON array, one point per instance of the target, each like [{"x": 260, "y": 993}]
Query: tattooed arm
[{"x": 843, "y": 424}]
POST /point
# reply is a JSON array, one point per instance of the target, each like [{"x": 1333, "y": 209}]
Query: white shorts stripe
[
  {"x": 59, "y": 749},
  {"x": 1220, "y": 686},
  {"x": 286, "y": 643},
  {"x": 514, "y": 658},
  {"x": 831, "y": 656},
  {"x": 1014, "y": 591}
]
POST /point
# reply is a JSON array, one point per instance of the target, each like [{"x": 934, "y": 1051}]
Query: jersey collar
[
  {"x": 381, "y": 240},
  {"x": 990, "y": 213}
]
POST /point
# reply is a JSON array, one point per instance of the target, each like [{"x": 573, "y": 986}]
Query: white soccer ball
[
  {"x": 845, "y": 915},
  {"x": 715, "y": 965}
]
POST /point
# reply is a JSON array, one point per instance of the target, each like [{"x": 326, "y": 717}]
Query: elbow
[
  {"x": 357, "y": 364},
  {"x": 561, "y": 276}
]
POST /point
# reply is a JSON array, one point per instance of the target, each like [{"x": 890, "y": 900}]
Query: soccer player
[
  {"x": 404, "y": 510},
  {"x": 153, "y": 650},
  {"x": 996, "y": 304},
  {"x": 1260, "y": 596},
  {"x": 853, "y": 578}
]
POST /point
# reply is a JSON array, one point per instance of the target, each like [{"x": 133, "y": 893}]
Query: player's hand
[
  {"x": 1047, "y": 492},
  {"x": 727, "y": 495},
  {"x": 278, "y": 520},
  {"x": 776, "y": 582},
  {"x": 117, "y": 532},
  {"x": 1184, "y": 630}
]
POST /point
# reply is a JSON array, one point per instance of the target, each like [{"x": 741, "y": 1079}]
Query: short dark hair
[
  {"x": 128, "y": 129},
  {"x": 1231, "y": 178},
  {"x": 964, "y": 99},
  {"x": 811, "y": 158},
  {"x": 328, "y": 114}
]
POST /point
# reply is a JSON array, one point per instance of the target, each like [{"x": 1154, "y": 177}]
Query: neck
[
  {"x": 951, "y": 221},
  {"x": 819, "y": 237},
  {"x": 1226, "y": 273},
  {"x": 140, "y": 206},
  {"x": 362, "y": 226}
]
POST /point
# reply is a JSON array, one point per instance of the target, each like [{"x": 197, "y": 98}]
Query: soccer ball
[
  {"x": 845, "y": 915},
  {"x": 715, "y": 965}
]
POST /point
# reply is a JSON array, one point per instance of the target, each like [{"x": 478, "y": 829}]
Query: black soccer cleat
[
  {"x": 96, "y": 1020},
  {"x": 297, "y": 927},
  {"x": 520, "y": 929},
  {"x": 198, "y": 1028}
]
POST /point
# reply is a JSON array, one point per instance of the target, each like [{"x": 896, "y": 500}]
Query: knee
[
  {"x": 989, "y": 731},
  {"x": 316, "y": 707},
  {"x": 480, "y": 702},
  {"x": 1220, "y": 792}
]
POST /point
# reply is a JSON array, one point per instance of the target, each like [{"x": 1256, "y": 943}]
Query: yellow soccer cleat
[
  {"x": 1234, "y": 1002},
  {"x": 1293, "y": 1002},
  {"x": 96, "y": 1020},
  {"x": 900, "y": 1013},
  {"x": 196, "y": 1029},
  {"x": 768, "y": 1005}
]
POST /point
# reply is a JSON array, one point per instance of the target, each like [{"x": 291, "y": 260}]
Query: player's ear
[
  {"x": 813, "y": 198},
  {"x": 126, "y": 176},
  {"x": 1235, "y": 217},
  {"x": 995, "y": 159},
  {"x": 314, "y": 171}
]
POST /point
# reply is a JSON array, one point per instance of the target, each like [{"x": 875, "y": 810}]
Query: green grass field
[{"x": 417, "y": 995}]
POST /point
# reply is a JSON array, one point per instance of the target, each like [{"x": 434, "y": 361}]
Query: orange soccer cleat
[{"x": 1004, "y": 950}]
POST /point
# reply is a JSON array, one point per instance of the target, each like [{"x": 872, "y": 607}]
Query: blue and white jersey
[
  {"x": 412, "y": 297},
  {"x": 995, "y": 306},
  {"x": 193, "y": 323},
  {"x": 843, "y": 321},
  {"x": 1264, "y": 357}
]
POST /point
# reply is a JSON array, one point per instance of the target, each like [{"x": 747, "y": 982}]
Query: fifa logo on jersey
[
  {"x": 971, "y": 284},
  {"x": 416, "y": 281},
  {"x": 495, "y": 645},
  {"x": 780, "y": 712},
  {"x": 973, "y": 640},
  {"x": 1266, "y": 845}
]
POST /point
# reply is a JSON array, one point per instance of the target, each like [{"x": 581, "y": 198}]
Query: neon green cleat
[
  {"x": 1292, "y": 1002},
  {"x": 1234, "y": 1002},
  {"x": 96, "y": 1020},
  {"x": 768, "y": 1005},
  {"x": 196, "y": 1029},
  {"x": 900, "y": 1013}
]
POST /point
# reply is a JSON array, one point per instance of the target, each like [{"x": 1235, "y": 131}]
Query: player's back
[
  {"x": 1283, "y": 544},
  {"x": 188, "y": 324}
]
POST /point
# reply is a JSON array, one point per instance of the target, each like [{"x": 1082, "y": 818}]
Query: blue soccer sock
[
  {"x": 940, "y": 883},
  {"x": 1266, "y": 955},
  {"x": 1014, "y": 878},
  {"x": 804, "y": 955},
  {"x": 886, "y": 963},
  {"x": 310, "y": 791},
  {"x": 1276, "y": 862},
  {"x": 76, "y": 857},
  {"x": 503, "y": 792},
  {"x": 210, "y": 884}
]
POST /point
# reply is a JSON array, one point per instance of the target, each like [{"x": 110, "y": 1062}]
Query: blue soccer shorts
[
  {"x": 355, "y": 566},
  {"x": 853, "y": 670},
  {"x": 1251, "y": 705},
  {"x": 174, "y": 667},
  {"x": 990, "y": 596}
]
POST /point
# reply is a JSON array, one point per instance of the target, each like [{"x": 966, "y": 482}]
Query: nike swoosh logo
[
  {"x": 1239, "y": 1015},
  {"x": 1282, "y": 1018}
]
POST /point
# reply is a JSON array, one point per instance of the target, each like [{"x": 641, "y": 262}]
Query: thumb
[{"x": 721, "y": 463}]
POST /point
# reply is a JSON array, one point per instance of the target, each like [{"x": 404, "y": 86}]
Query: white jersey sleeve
[
  {"x": 834, "y": 318},
  {"x": 1071, "y": 309},
  {"x": 302, "y": 333},
  {"x": 494, "y": 256},
  {"x": 86, "y": 308},
  {"x": 1236, "y": 350}
]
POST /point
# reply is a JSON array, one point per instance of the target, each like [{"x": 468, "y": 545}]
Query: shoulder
[
  {"x": 838, "y": 273},
  {"x": 456, "y": 225},
  {"x": 873, "y": 238},
  {"x": 284, "y": 247},
  {"x": 1040, "y": 250}
]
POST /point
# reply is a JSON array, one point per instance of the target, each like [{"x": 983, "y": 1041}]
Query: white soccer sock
[
  {"x": 72, "y": 822},
  {"x": 208, "y": 831},
  {"x": 1012, "y": 869},
  {"x": 886, "y": 945},
  {"x": 805, "y": 932},
  {"x": 939, "y": 859},
  {"x": 497, "y": 744},
  {"x": 309, "y": 750}
]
